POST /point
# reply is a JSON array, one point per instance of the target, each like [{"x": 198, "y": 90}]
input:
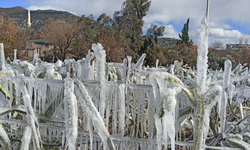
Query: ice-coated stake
[{"x": 2, "y": 57}]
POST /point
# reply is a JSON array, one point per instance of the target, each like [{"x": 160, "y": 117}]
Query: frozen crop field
[{"x": 92, "y": 104}]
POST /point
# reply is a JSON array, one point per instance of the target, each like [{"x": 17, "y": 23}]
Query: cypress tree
[{"x": 184, "y": 33}]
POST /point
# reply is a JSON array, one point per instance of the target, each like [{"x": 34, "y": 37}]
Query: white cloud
[
  {"x": 222, "y": 12},
  {"x": 170, "y": 32},
  {"x": 80, "y": 7},
  {"x": 219, "y": 34},
  {"x": 179, "y": 10}
]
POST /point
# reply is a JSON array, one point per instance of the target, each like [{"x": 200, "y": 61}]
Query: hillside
[{"x": 20, "y": 16}]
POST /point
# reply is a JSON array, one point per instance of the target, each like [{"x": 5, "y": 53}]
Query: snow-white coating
[
  {"x": 139, "y": 63},
  {"x": 26, "y": 138},
  {"x": 202, "y": 58},
  {"x": 58, "y": 63},
  {"x": 237, "y": 140},
  {"x": 122, "y": 109},
  {"x": 167, "y": 93},
  {"x": 4, "y": 139},
  {"x": 157, "y": 63},
  {"x": 35, "y": 60},
  {"x": 25, "y": 68},
  {"x": 211, "y": 97},
  {"x": 223, "y": 103},
  {"x": 169, "y": 103},
  {"x": 122, "y": 106},
  {"x": 90, "y": 110},
  {"x": 126, "y": 68},
  {"x": 15, "y": 57},
  {"x": 52, "y": 74},
  {"x": 88, "y": 72},
  {"x": 31, "y": 118},
  {"x": 2, "y": 57},
  {"x": 100, "y": 55},
  {"x": 71, "y": 113}
]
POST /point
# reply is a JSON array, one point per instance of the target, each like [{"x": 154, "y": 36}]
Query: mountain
[{"x": 20, "y": 16}]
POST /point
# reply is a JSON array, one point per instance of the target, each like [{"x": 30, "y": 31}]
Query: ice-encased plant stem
[
  {"x": 88, "y": 72},
  {"x": 26, "y": 138},
  {"x": 223, "y": 105},
  {"x": 202, "y": 50},
  {"x": 71, "y": 113},
  {"x": 2, "y": 57},
  {"x": 202, "y": 66},
  {"x": 100, "y": 55},
  {"x": 31, "y": 119},
  {"x": 15, "y": 58},
  {"x": 4, "y": 139},
  {"x": 122, "y": 108},
  {"x": 165, "y": 100},
  {"x": 90, "y": 110}
]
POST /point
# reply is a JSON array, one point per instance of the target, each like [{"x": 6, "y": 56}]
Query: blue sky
[
  {"x": 13, "y": 3},
  {"x": 228, "y": 18}
]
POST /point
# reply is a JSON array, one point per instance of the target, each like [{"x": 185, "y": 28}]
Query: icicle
[
  {"x": 114, "y": 114},
  {"x": 142, "y": 102},
  {"x": 90, "y": 133},
  {"x": 210, "y": 99},
  {"x": 122, "y": 109},
  {"x": 150, "y": 114},
  {"x": 138, "y": 115}
]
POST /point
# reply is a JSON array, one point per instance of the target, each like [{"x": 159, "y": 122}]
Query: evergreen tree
[
  {"x": 184, "y": 36},
  {"x": 150, "y": 42},
  {"x": 130, "y": 22}
]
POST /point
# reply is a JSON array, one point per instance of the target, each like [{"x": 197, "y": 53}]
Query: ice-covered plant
[
  {"x": 71, "y": 113},
  {"x": 26, "y": 138},
  {"x": 31, "y": 119},
  {"x": 100, "y": 55},
  {"x": 166, "y": 101},
  {"x": 90, "y": 110},
  {"x": 4, "y": 139}
]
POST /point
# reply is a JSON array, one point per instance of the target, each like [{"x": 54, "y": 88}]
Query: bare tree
[
  {"x": 8, "y": 34},
  {"x": 61, "y": 33},
  {"x": 246, "y": 40},
  {"x": 216, "y": 45},
  {"x": 242, "y": 38}
]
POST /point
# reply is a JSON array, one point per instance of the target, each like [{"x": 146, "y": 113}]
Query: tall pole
[
  {"x": 207, "y": 12},
  {"x": 28, "y": 23}
]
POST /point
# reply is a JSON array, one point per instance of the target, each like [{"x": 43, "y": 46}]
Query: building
[
  {"x": 237, "y": 47},
  {"x": 39, "y": 47}
]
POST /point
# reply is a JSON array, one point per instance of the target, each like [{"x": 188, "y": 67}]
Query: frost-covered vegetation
[{"x": 92, "y": 104}]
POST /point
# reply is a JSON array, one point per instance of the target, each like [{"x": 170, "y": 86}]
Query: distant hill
[{"x": 20, "y": 16}]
